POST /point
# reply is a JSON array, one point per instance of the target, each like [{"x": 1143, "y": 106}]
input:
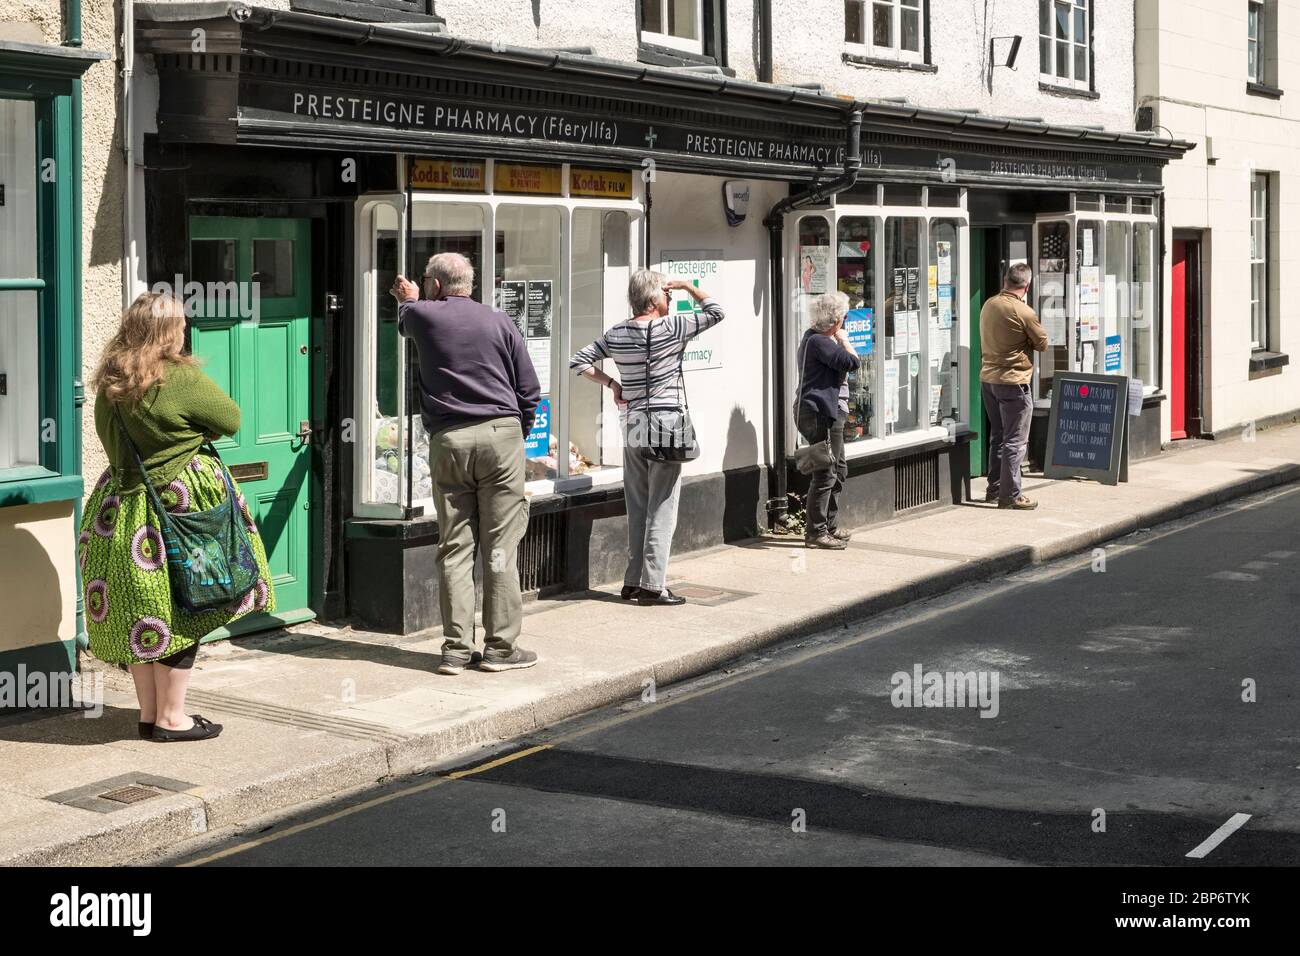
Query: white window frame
[
  {"x": 562, "y": 379},
  {"x": 1255, "y": 25},
  {"x": 880, "y": 442},
  {"x": 865, "y": 10},
  {"x": 1047, "y": 70},
  {"x": 684, "y": 44},
  {"x": 1259, "y": 249}
]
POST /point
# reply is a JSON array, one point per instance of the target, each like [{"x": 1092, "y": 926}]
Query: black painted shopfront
[{"x": 543, "y": 165}]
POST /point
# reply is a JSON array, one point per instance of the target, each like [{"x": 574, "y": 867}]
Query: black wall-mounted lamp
[{"x": 1012, "y": 52}]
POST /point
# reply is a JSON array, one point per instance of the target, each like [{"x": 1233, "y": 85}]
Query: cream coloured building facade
[{"x": 1224, "y": 74}]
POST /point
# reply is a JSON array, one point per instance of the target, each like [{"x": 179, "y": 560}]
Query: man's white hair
[
  {"x": 827, "y": 310},
  {"x": 455, "y": 273}
]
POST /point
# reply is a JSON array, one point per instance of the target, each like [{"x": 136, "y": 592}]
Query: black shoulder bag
[
  {"x": 671, "y": 442},
  {"x": 818, "y": 455},
  {"x": 210, "y": 560}
]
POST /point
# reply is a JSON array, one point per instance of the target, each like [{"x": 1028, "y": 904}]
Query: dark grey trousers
[
  {"x": 1010, "y": 409},
  {"x": 824, "y": 487}
]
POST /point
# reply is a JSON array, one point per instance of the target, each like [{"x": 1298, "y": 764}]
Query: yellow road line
[{"x": 491, "y": 764}]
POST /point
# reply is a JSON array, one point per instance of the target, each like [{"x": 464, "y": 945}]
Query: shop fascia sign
[
  {"x": 952, "y": 164},
  {"x": 356, "y": 107}
]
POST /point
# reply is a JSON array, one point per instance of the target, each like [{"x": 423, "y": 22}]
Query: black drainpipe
[
  {"x": 765, "y": 42},
  {"x": 775, "y": 222}
]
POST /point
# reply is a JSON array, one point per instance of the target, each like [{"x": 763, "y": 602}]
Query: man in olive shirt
[{"x": 1009, "y": 331}]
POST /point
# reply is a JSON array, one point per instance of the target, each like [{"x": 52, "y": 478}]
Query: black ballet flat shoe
[
  {"x": 146, "y": 730},
  {"x": 665, "y": 598},
  {"x": 629, "y": 592},
  {"x": 203, "y": 729}
]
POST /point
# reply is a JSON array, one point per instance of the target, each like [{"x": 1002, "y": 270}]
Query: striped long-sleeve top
[{"x": 625, "y": 343}]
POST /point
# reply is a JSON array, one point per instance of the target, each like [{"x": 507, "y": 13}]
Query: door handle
[{"x": 304, "y": 431}]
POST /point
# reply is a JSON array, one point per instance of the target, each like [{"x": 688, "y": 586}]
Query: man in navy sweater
[{"x": 478, "y": 396}]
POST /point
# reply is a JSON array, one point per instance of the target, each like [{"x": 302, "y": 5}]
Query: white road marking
[
  {"x": 1280, "y": 555},
  {"x": 1235, "y": 823},
  {"x": 1234, "y": 576},
  {"x": 1260, "y": 565}
]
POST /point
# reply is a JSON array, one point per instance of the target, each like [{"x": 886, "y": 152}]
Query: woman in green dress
[{"x": 170, "y": 409}]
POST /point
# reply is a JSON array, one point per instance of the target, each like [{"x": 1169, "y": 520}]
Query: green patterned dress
[{"x": 130, "y": 615}]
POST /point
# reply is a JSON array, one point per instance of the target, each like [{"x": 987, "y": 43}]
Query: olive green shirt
[
  {"x": 1009, "y": 333},
  {"x": 173, "y": 420}
]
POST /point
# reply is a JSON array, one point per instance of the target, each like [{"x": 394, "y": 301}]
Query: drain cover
[{"x": 130, "y": 794}]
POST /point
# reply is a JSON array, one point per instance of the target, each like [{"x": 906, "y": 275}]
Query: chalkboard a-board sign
[{"x": 1085, "y": 432}]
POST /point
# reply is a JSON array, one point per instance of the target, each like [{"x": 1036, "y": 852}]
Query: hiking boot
[
  {"x": 451, "y": 666},
  {"x": 825, "y": 542},
  {"x": 1020, "y": 503},
  {"x": 516, "y": 661}
]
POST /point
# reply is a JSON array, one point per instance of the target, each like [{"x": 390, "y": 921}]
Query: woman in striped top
[{"x": 648, "y": 352}]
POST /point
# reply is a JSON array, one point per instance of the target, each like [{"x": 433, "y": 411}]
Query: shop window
[
  {"x": 675, "y": 24},
  {"x": 20, "y": 311},
  {"x": 1064, "y": 41},
  {"x": 1259, "y": 260},
  {"x": 1146, "y": 317},
  {"x": 1048, "y": 290},
  {"x": 1087, "y": 202},
  {"x": 1087, "y": 316},
  {"x": 902, "y": 194},
  {"x": 1116, "y": 204},
  {"x": 905, "y": 391},
  {"x": 891, "y": 29},
  {"x": 855, "y": 261},
  {"x": 947, "y": 196},
  {"x": 601, "y": 269},
  {"x": 944, "y": 295},
  {"x": 812, "y": 280},
  {"x": 1115, "y": 289},
  {"x": 1142, "y": 205}
]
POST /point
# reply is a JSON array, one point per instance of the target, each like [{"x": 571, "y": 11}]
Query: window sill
[
  {"x": 855, "y": 59},
  {"x": 1263, "y": 89},
  {"x": 37, "y": 491},
  {"x": 1068, "y": 91},
  {"x": 667, "y": 56},
  {"x": 367, "y": 12},
  {"x": 1262, "y": 360}
]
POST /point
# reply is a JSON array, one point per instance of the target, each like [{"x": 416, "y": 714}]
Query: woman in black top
[{"x": 824, "y": 359}]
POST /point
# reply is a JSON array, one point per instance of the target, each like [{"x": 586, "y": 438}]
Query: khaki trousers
[{"x": 478, "y": 491}]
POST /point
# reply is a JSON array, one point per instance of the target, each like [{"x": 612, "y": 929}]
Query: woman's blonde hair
[{"x": 152, "y": 334}]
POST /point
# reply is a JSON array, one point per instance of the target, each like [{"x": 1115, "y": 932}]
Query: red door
[{"x": 1178, "y": 343}]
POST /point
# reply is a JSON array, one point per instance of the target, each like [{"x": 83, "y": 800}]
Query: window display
[
  {"x": 1146, "y": 338},
  {"x": 856, "y": 278},
  {"x": 906, "y": 373},
  {"x": 558, "y": 267},
  {"x": 945, "y": 297}
]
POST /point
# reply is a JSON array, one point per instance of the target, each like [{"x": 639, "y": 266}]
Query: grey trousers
[
  {"x": 651, "y": 490},
  {"x": 1010, "y": 409},
  {"x": 824, "y": 487},
  {"x": 478, "y": 492}
]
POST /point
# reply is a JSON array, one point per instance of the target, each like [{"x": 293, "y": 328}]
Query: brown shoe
[
  {"x": 826, "y": 543},
  {"x": 1020, "y": 503}
]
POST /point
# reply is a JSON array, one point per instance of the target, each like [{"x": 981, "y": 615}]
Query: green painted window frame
[{"x": 57, "y": 284}]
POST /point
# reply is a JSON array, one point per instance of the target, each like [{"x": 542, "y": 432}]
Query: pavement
[{"x": 322, "y": 710}]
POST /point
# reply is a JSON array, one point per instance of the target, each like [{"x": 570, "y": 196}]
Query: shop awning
[{"x": 283, "y": 78}]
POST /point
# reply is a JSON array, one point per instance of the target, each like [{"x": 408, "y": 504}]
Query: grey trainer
[{"x": 516, "y": 661}]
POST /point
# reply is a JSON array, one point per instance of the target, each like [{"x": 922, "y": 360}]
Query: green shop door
[{"x": 253, "y": 337}]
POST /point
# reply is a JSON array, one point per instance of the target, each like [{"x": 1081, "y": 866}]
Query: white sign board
[{"x": 702, "y": 268}]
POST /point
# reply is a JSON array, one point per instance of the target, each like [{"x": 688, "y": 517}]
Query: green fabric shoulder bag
[{"x": 210, "y": 560}]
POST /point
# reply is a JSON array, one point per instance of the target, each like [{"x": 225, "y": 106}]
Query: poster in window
[
  {"x": 860, "y": 326},
  {"x": 891, "y": 391},
  {"x": 539, "y": 308},
  {"x": 945, "y": 305},
  {"x": 900, "y": 289},
  {"x": 1051, "y": 306},
  {"x": 913, "y": 287},
  {"x": 900, "y": 333},
  {"x": 914, "y": 331},
  {"x": 814, "y": 269},
  {"x": 539, "y": 350},
  {"x": 943, "y": 255},
  {"x": 512, "y": 298},
  {"x": 538, "y": 442}
]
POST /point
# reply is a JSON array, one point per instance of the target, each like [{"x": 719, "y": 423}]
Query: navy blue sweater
[
  {"x": 473, "y": 363},
  {"x": 821, "y": 364}
]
